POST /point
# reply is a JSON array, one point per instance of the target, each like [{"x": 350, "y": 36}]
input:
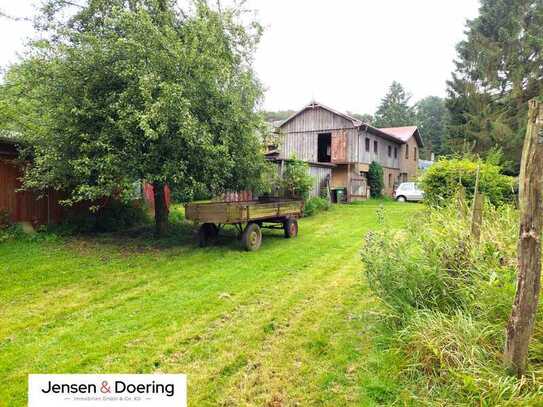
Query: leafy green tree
[
  {"x": 443, "y": 179},
  {"x": 375, "y": 179},
  {"x": 280, "y": 115},
  {"x": 297, "y": 182},
  {"x": 432, "y": 118},
  {"x": 364, "y": 117},
  {"x": 394, "y": 109},
  {"x": 123, "y": 90},
  {"x": 498, "y": 69}
]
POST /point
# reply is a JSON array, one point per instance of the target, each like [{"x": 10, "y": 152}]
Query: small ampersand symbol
[{"x": 105, "y": 388}]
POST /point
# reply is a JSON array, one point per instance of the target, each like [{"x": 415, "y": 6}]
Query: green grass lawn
[{"x": 290, "y": 324}]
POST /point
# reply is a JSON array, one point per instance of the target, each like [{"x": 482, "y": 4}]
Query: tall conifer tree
[
  {"x": 394, "y": 109},
  {"x": 498, "y": 69}
]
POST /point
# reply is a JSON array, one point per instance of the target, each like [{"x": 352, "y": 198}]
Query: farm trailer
[{"x": 248, "y": 217}]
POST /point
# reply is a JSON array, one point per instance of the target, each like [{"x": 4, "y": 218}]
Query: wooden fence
[
  {"x": 26, "y": 206},
  {"x": 43, "y": 208}
]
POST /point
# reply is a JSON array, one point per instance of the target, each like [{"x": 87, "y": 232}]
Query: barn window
[
  {"x": 324, "y": 148},
  {"x": 415, "y": 154},
  {"x": 375, "y": 147},
  {"x": 367, "y": 144},
  {"x": 406, "y": 151},
  {"x": 389, "y": 151},
  {"x": 395, "y": 152}
]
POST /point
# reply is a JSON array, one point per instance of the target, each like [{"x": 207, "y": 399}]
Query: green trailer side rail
[{"x": 249, "y": 217}]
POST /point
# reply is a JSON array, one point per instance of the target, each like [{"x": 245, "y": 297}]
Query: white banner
[{"x": 98, "y": 390}]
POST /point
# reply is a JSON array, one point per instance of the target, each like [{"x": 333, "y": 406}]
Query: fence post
[
  {"x": 477, "y": 216},
  {"x": 521, "y": 322},
  {"x": 461, "y": 201}
]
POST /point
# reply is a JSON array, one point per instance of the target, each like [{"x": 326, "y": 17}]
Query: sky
[{"x": 342, "y": 53}]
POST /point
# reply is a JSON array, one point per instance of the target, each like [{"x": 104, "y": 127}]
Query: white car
[{"x": 408, "y": 191}]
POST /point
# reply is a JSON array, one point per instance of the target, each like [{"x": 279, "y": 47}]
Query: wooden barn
[{"x": 339, "y": 148}]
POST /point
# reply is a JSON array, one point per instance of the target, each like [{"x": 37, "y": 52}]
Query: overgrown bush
[
  {"x": 270, "y": 182},
  {"x": 26, "y": 233},
  {"x": 417, "y": 268},
  {"x": 375, "y": 179},
  {"x": 441, "y": 181},
  {"x": 18, "y": 231},
  {"x": 114, "y": 216},
  {"x": 297, "y": 182},
  {"x": 10, "y": 232},
  {"x": 198, "y": 193},
  {"x": 315, "y": 205},
  {"x": 448, "y": 300},
  {"x": 5, "y": 221}
]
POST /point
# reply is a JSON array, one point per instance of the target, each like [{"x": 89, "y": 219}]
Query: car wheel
[{"x": 401, "y": 198}]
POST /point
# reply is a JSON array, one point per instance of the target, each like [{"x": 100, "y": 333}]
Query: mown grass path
[{"x": 287, "y": 325}]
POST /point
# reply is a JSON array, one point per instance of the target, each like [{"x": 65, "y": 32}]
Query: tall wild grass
[{"x": 448, "y": 299}]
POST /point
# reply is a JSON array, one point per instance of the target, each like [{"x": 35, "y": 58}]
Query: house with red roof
[{"x": 339, "y": 149}]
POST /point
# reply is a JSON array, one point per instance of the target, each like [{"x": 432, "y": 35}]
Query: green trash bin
[{"x": 340, "y": 195}]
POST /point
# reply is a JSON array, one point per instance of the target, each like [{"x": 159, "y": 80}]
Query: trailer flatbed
[{"x": 249, "y": 217}]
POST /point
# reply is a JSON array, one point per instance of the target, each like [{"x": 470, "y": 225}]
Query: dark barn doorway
[{"x": 324, "y": 148}]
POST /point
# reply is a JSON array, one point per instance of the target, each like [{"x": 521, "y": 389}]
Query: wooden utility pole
[{"x": 521, "y": 321}]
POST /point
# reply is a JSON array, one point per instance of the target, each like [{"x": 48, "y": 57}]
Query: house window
[
  {"x": 367, "y": 144},
  {"x": 389, "y": 180},
  {"x": 395, "y": 152},
  {"x": 406, "y": 151},
  {"x": 389, "y": 151},
  {"x": 375, "y": 148},
  {"x": 415, "y": 154}
]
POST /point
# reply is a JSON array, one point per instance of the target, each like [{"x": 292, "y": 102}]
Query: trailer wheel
[
  {"x": 290, "y": 227},
  {"x": 206, "y": 233},
  {"x": 252, "y": 237},
  {"x": 216, "y": 229}
]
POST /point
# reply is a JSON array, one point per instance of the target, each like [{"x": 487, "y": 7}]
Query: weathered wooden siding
[
  {"x": 316, "y": 119},
  {"x": 339, "y": 146},
  {"x": 320, "y": 175},
  {"x": 381, "y": 157},
  {"x": 235, "y": 212},
  {"x": 339, "y": 177},
  {"x": 299, "y": 137},
  {"x": 26, "y": 206},
  {"x": 357, "y": 187},
  {"x": 304, "y": 145}
]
